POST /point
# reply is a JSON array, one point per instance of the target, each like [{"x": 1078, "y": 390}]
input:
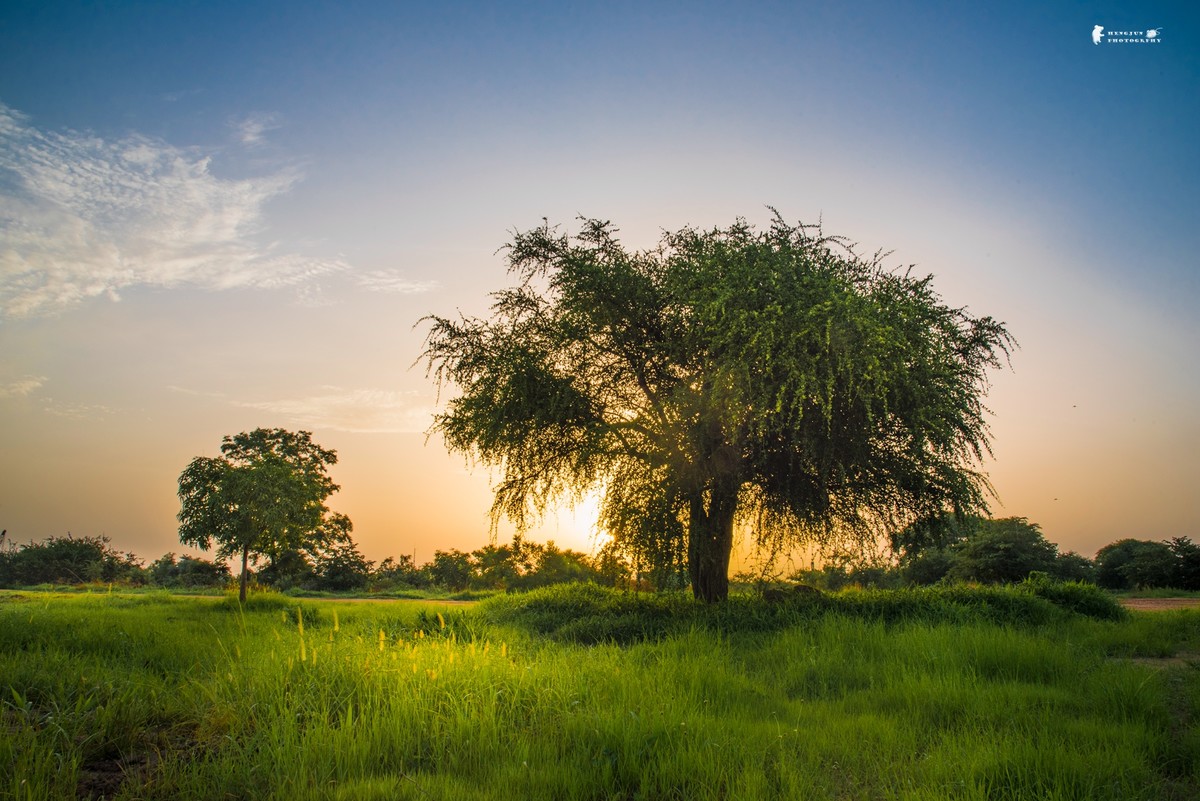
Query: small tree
[
  {"x": 399, "y": 571},
  {"x": 497, "y": 567},
  {"x": 1003, "y": 551},
  {"x": 1070, "y": 566},
  {"x": 1187, "y": 563},
  {"x": 451, "y": 570},
  {"x": 991, "y": 551},
  {"x": 1128, "y": 564},
  {"x": 558, "y": 566},
  {"x": 771, "y": 377},
  {"x": 265, "y": 495},
  {"x": 341, "y": 567}
]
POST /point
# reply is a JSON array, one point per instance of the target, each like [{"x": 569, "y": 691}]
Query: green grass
[{"x": 590, "y": 694}]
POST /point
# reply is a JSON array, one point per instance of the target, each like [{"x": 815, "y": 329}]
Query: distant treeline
[
  {"x": 519, "y": 565},
  {"x": 1007, "y": 551},
  {"x": 982, "y": 551}
]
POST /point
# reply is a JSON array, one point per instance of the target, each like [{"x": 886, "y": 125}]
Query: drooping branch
[{"x": 726, "y": 375}]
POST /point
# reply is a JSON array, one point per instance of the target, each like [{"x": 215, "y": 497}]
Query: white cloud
[
  {"x": 84, "y": 217},
  {"x": 22, "y": 387},
  {"x": 250, "y": 130}
]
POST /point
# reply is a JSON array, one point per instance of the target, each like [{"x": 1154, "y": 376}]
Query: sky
[{"x": 218, "y": 216}]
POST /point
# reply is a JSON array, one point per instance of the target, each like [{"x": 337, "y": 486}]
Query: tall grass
[{"x": 204, "y": 699}]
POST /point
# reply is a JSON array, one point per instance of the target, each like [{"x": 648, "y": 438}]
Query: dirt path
[
  {"x": 1159, "y": 604},
  {"x": 441, "y": 601}
]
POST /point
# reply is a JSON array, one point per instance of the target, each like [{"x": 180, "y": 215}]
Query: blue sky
[{"x": 223, "y": 215}]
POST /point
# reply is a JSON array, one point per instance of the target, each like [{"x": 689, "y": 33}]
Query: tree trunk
[
  {"x": 710, "y": 541},
  {"x": 242, "y": 587}
]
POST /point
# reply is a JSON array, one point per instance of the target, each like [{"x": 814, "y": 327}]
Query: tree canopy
[
  {"x": 769, "y": 377},
  {"x": 1131, "y": 564},
  {"x": 265, "y": 495},
  {"x": 1003, "y": 551},
  {"x": 990, "y": 551}
]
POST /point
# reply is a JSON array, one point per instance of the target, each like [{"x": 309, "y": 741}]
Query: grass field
[{"x": 589, "y": 694}]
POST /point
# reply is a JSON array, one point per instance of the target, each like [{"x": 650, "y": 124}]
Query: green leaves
[
  {"x": 265, "y": 495},
  {"x": 829, "y": 395}
]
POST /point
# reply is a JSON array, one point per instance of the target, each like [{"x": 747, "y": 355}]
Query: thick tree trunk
[
  {"x": 710, "y": 542},
  {"x": 242, "y": 587}
]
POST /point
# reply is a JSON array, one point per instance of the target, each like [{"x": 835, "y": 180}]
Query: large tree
[
  {"x": 264, "y": 496},
  {"x": 773, "y": 377}
]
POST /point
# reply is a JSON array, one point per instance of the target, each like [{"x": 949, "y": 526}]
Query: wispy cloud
[
  {"x": 22, "y": 387},
  {"x": 176, "y": 96},
  {"x": 84, "y": 217},
  {"x": 29, "y": 385},
  {"x": 252, "y": 128},
  {"x": 357, "y": 411},
  {"x": 76, "y": 411},
  {"x": 391, "y": 281}
]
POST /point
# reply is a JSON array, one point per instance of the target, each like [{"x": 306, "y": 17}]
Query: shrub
[
  {"x": 69, "y": 560},
  {"x": 188, "y": 571},
  {"x": 927, "y": 567},
  {"x": 1077, "y": 596},
  {"x": 446, "y": 624}
]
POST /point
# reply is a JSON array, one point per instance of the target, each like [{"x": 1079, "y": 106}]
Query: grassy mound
[
  {"x": 1085, "y": 599},
  {"x": 586, "y": 614}
]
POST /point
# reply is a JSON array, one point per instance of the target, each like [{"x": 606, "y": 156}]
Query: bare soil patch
[
  {"x": 1182, "y": 659},
  {"x": 439, "y": 601},
  {"x": 1159, "y": 604},
  {"x": 107, "y": 776}
]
